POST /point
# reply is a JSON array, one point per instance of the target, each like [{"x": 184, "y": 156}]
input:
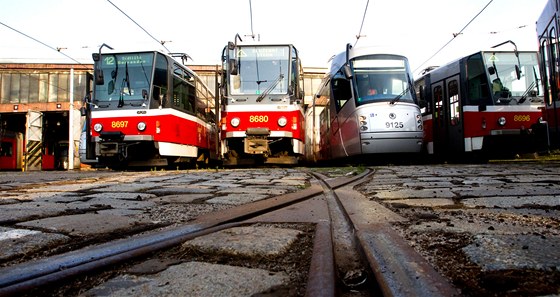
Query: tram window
[
  {"x": 554, "y": 61},
  {"x": 454, "y": 106},
  {"x": 341, "y": 90},
  {"x": 477, "y": 81},
  {"x": 160, "y": 79}
]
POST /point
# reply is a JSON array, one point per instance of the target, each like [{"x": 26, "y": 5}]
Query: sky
[{"x": 67, "y": 31}]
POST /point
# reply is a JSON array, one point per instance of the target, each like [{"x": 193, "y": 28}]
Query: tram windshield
[
  {"x": 382, "y": 78},
  {"x": 127, "y": 77},
  {"x": 261, "y": 69},
  {"x": 505, "y": 86}
]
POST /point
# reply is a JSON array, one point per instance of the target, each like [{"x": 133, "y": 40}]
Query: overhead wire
[
  {"x": 158, "y": 41},
  {"x": 38, "y": 41},
  {"x": 362, "y": 25},
  {"x": 454, "y": 36},
  {"x": 48, "y": 46}
]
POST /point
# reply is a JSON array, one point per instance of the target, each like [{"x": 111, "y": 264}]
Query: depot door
[{"x": 33, "y": 140}]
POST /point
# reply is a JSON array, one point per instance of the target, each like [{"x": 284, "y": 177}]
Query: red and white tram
[
  {"x": 548, "y": 25},
  {"x": 148, "y": 109},
  {"x": 261, "y": 104},
  {"x": 485, "y": 104}
]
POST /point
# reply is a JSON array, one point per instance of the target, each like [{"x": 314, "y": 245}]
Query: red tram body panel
[
  {"x": 548, "y": 25},
  {"x": 262, "y": 119},
  {"x": 149, "y": 110},
  {"x": 485, "y": 104}
]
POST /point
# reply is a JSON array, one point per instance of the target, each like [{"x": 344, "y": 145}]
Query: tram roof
[{"x": 339, "y": 59}]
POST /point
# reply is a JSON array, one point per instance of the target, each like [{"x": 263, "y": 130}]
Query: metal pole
[{"x": 71, "y": 123}]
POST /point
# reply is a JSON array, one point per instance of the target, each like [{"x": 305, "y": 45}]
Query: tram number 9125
[{"x": 394, "y": 125}]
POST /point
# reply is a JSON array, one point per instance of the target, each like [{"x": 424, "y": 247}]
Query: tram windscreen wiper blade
[
  {"x": 526, "y": 93},
  {"x": 270, "y": 88},
  {"x": 401, "y": 94},
  {"x": 125, "y": 82}
]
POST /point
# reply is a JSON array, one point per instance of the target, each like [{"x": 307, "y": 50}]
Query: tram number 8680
[{"x": 394, "y": 125}]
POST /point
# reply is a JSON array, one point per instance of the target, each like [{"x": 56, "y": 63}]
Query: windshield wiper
[
  {"x": 534, "y": 84},
  {"x": 125, "y": 82},
  {"x": 524, "y": 96},
  {"x": 401, "y": 94},
  {"x": 270, "y": 88}
]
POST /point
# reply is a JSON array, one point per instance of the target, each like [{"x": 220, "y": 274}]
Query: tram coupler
[{"x": 256, "y": 142}]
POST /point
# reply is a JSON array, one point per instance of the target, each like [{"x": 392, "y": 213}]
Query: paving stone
[
  {"x": 510, "y": 202},
  {"x": 236, "y": 199},
  {"x": 194, "y": 279},
  {"x": 18, "y": 242},
  {"x": 500, "y": 252},
  {"x": 85, "y": 224},
  {"x": 247, "y": 241},
  {"x": 30, "y": 210}
]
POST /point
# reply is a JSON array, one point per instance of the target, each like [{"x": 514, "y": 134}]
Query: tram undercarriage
[{"x": 259, "y": 149}]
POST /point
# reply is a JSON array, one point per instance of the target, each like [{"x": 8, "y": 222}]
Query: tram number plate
[
  {"x": 394, "y": 125},
  {"x": 119, "y": 124},
  {"x": 258, "y": 119},
  {"x": 521, "y": 118}
]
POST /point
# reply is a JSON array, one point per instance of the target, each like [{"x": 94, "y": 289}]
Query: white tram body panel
[{"x": 365, "y": 106}]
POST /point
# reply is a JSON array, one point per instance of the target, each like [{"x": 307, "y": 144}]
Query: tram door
[
  {"x": 439, "y": 128},
  {"x": 447, "y": 119},
  {"x": 454, "y": 116},
  {"x": 33, "y": 140}
]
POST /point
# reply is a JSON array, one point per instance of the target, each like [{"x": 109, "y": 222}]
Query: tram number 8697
[{"x": 394, "y": 125}]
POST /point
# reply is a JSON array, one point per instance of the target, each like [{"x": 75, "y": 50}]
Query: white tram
[{"x": 365, "y": 106}]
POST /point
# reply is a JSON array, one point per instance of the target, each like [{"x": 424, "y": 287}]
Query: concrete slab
[
  {"x": 247, "y": 241},
  {"x": 309, "y": 211},
  {"x": 18, "y": 242},
  {"x": 10, "y": 213},
  {"x": 255, "y": 190},
  {"x": 122, "y": 195},
  {"x": 427, "y": 202},
  {"x": 236, "y": 199},
  {"x": 180, "y": 198},
  {"x": 86, "y": 224},
  {"x": 194, "y": 279},
  {"x": 112, "y": 203},
  {"x": 510, "y": 202},
  {"x": 499, "y": 252},
  {"x": 413, "y": 193}
]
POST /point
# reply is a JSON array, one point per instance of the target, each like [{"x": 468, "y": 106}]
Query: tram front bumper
[{"x": 256, "y": 142}]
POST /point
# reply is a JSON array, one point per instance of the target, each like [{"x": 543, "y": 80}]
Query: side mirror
[
  {"x": 491, "y": 70},
  {"x": 232, "y": 64},
  {"x": 99, "y": 80},
  {"x": 517, "y": 72},
  {"x": 347, "y": 71},
  {"x": 83, "y": 111}
]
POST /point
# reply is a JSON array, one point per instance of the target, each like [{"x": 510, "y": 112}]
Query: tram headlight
[
  {"x": 282, "y": 121},
  {"x": 235, "y": 122},
  {"x": 141, "y": 126},
  {"x": 502, "y": 121},
  {"x": 97, "y": 127}
]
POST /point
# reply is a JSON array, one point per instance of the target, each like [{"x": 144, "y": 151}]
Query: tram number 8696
[{"x": 394, "y": 125}]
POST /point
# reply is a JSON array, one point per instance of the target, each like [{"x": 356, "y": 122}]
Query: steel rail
[
  {"x": 22, "y": 278},
  {"x": 398, "y": 269}
]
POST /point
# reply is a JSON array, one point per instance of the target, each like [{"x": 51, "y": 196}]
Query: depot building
[{"x": 40, "y": 118}]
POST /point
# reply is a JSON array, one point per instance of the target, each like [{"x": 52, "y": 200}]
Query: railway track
[{"x": 353, "y": 253}]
